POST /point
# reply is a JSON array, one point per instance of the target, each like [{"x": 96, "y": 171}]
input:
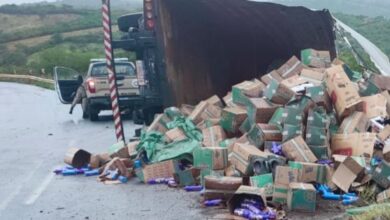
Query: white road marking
[
  {"x": 10, "y": 197},
  {"x": 41, "y": 188}
]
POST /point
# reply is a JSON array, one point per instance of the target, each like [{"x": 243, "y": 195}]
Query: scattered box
[
  {"x": 354, "y": 144},
  {"x": 246, "y": 192},
  {"x": 263, "y": 132},
  {"x": 213, "y": 135},
  {"x": 346, "y": 173},
  {"x": 278, "y": 93},
  {"x": 260, "y": 110},
  {"x": 309, "y": 172},
  {"x": 175, "y": 134},
  {"x": 384, "y": 134},
  {"x": 296, "y": 149},
  {"x": 301, "y": 197},
  {"x": 215, "y": 158},
  {"x": 158, "y": 123},
  {"x": 242, "y": 91},
  {"x": 265, "y": 182},
  {"x": 232, "y": 117},
  {"x": 215, "y": 100},
  {"x": 312, "y": 76},
  {"x": 356, "y": 122},
  {"x": 273, "y": 75},
  {"x": 291, "y": 68},
  {"x": 241, "y": 157},
  {"x": 77, "y": 157},
  {"x": 374, "y": 106},
  {"x": 316, "y": 58},
  {"x": 284, "y": 175},
  {"x": 196, "y": 114},
  {"x": 165, "y": 169}
]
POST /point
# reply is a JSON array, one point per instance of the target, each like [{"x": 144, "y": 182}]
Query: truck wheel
[
  {"x": 85, "y": 107},
  {"x": 93, "y": 114},
  {"x": 137, "y": 117}
]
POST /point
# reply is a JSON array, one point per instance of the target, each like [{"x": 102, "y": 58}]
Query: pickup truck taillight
[
  {"x": 91, "y": 85},
  {"x": 148, "y": 14}
]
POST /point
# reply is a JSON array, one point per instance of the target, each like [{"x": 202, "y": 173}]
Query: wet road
[{"x": 35, "y": 132}]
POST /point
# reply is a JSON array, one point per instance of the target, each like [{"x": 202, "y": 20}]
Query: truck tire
[
  {"x": 93, "y": 114},
  {"x": 137, "y": 117},
  {"x": 85, "y": 106}
]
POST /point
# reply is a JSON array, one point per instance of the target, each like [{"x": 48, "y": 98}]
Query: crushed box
[
  {"x": 346, "y": 173},
  {"x": 356, "y": 122},
  {"x": 296, "y": 149},
  {"x": 301, "y": 197}
]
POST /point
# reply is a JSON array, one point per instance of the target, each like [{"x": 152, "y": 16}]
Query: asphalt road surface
[{"x": 35, "y": 132}]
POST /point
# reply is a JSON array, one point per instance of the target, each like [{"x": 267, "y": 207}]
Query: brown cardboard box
[
  {"x": 260, "y": 110},
  {"x": 250, "y": 88},
  {"x": 132, "y": 148},
  {"x": 346, "y": 173},
  {"x": 293, "y": 81},
  {"x": 384, "y": 134},
  {"x": 213, "y": 158},
  {"x": 207, "y": 123},
  {"x": 301, "y": 197},
  {"x": 77, "y": 157},
  {"x": 312, "y": 76},
  {"x": 157, "y": 125},
  {"x": 118, "y": 150},
  {"x": 232, "y": 118},
  {"x": 213, "y": 135},
  {"x": 356, "y": 122},
  {"x": 292, "y": 67},
  {"x": 284, "y": 175},
  {"x": 310, "y": 172},
  {"x": 316, "y": 58},
  {"x": 374, "y": 106},
  {"x": 296, "y": 149},
  {"x": 381, "y": 81},
  {"x": 354, "y": 144},
  {"x": 215, "y": 100},
  {"x": 282, "y": 95},
  {"x": 163, "y": 169},
  {"x": 242, "y": 155},
  {"x": 228, "y": 100},
  {"x": 267, "y": 78},
  {"x": 175, "y": 134},
  {"x": 384, "y": 196},
  {"x": 246, "y": 192},
  {"x": 186, "y": 109},
  {"x": 224, "y": 183},
  {"x": 344, "y": 95},
  {"x": 196, "y": 114},
  {"x": 211, "y": 112},
  {"x": 387, "y": 96},
  {"x": 115, "y": 163}
]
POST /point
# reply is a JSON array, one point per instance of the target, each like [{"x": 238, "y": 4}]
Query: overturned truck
[{"x": 194, "y": 49}]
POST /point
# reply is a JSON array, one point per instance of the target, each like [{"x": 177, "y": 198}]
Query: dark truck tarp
[{"x": 210, "y": 45}]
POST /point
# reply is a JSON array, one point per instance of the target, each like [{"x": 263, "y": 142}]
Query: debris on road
[{"x": 286, "y": 141}]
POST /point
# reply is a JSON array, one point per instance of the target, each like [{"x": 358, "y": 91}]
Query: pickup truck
[{"x": 96, "y": 87}]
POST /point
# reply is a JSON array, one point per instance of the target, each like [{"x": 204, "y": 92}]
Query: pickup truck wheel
[
  {"x": 137, "y": 117},
  {"x": 85, "y": 107},
  {"x": 93, "y": 114}
]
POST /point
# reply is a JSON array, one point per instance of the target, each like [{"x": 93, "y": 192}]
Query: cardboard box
[
  {"x": 208, "y": 123},
  {"x": 265, "y": 182},
  {"x": 228, "y": 100},
  {"x": 242, "y": 155},
  {"x": 115, "y": 164},
  {"x": 291, "y": 131},
  {"x": 246, "y": 192},
  {"x": 215, "y": 158},
  {"x": 383, "y": 197},
  {"x": 186, "y": 109},
  {"x": 77, "y": 157},
  {"x": 312, "y": 76},
  {"x": 273, "y": 75},
  {"x": 223, "y": 183},
  {"x": 384, "y": 134},
  {"x": 213, "y": 135},
  {"x": 317, "y": 117},
  {"x": 316, "y": 136},
  {"x": 346, "y": 173},
  {"x": 196, "y": 114},
  {"x": 242, "y": 91},
  {"x": 291, "y": 68},
  {"x": 187, "y": 177},
  {"x": 387, "y": 96},
  {"x": 354, "y": 144},
  {"x": 284, "y": 175},
  {"x": 263, "y": 132},
  {"x": 292, "y": 115},
  {"x": 344, "y": 95},
  {"x": 232, "y": 118},
  {"x": 165, "y": 169},
  {"x": 175, "y": 134},
  {"x": 158, "y": 123},
  {"x": 296, "y": 149},
  {"x": 374, "y": 106},
  {"x": 277, "y": 118},
  {"x": 301, "y": 197},
  {"x": 381, "y": 81},
  {"x": 245, "y": 127},
  {"x": 316, "y": 58},
  {"x": 215, "y": 100},
  {"x": 322, "y": 152},
  {"x": 309, "y": 172},
  {"x": 260, "y": 110},
  {"x": 320, "y": 96},
  {"x": 211, "y": 112},
  {"x": 356, "y": 122},
  {"x": 119, "y": 150},
  {"x": 381, "y": 174},
  {"x": 278, "y": 93},
  {"x": 293, "y": 81},
  {"x": 132, "y": 149}
]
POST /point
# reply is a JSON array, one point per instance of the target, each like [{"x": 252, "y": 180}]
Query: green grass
[{"x": 29, "y": 82}]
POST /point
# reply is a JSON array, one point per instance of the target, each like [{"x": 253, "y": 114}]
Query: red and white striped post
[{"x": 111, "y": 70}]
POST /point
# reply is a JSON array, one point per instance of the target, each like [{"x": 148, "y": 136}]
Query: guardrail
[{"x": 42, "y": 82}]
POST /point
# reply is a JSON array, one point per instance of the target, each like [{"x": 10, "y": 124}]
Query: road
[
  {"x": 380, "y": 59},
  {"x": 35, "y": 132}
]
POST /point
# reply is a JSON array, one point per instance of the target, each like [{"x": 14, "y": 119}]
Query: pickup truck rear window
[{"x": 122, "y": 69}]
